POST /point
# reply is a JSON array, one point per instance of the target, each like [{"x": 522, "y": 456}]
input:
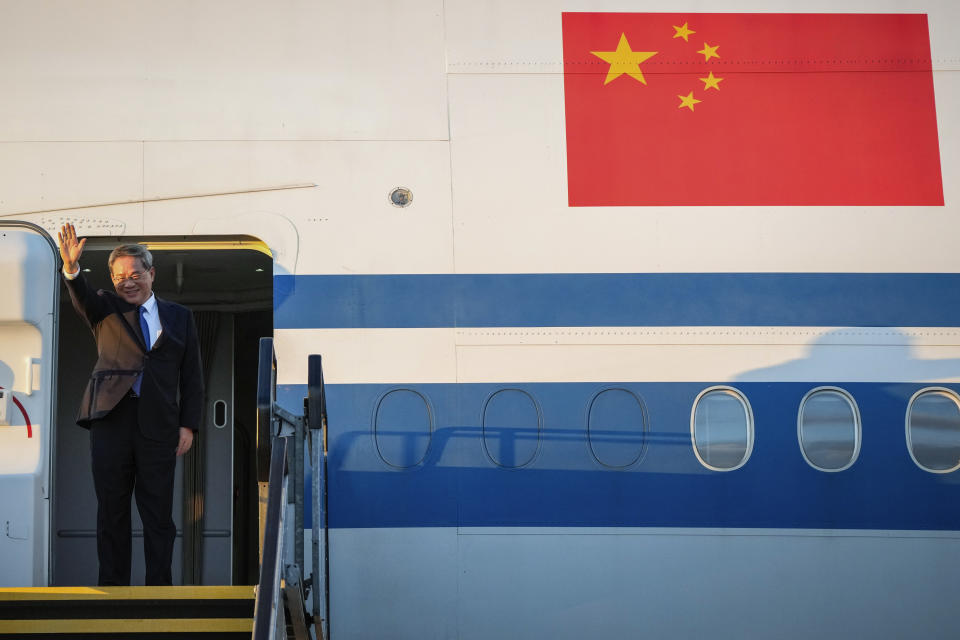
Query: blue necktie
[{"x": 145, "y": 331}]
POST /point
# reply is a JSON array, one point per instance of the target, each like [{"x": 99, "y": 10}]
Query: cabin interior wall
[
  {"x": 250, "y": 327},
  {"x": 208, "y": 510}
]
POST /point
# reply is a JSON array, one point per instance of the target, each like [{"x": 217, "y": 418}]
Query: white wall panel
[
  {"x": 37, "y": 176},
  {"x": 504, "y": 36},
  {"x": 676, "y": 583},
  {"x": 346, "y": 224},
  {"x": 368, "y": 356},
  {"x": 508, "y": 141},
  {"x": 623, "y": 582},
  {"x": 622, "y": 354},
  {"x": 118, "y": 70},
  {"x": 94, "y": 221},
  {"x": 394, "y": 583},
  {"x": 692, "y": 363}
]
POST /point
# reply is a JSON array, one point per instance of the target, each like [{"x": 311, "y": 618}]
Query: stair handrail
[
  {"x": 291, "y": 442},
  {"x": 269, "y": 619},
  {"x": 316, "y": 421},
  {"x": 266, "y": 397},
  {"x": 268, "y": 615}
]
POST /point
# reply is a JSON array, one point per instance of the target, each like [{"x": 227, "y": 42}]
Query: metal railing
[
  {"x": 316, "y": 414},
  {"x": 291, "y": 444},
  {"x": 269, "y": 620}
]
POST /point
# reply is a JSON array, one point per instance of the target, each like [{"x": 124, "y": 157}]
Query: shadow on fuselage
[{"x": 557, "y": 464}]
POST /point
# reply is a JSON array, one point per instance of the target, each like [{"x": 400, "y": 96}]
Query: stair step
[{"x": 126, "y": 612}]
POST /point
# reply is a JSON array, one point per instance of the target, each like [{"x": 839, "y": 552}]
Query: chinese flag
[{"x": 750, "y": 109}]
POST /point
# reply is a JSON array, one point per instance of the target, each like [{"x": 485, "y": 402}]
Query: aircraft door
[
  {"x": 227, "y": 284},
  {"x": 29, "y": 304}
]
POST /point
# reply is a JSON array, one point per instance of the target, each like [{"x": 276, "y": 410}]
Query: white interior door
[{"x": 29, "y": 292}]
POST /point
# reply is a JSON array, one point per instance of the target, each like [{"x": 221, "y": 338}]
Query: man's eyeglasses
[{"x": 135, "y": 276}]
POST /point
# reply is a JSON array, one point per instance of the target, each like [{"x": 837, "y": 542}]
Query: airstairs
[
  {"x": 126, "y": 612},
  {"x": 282, "y": 605}
]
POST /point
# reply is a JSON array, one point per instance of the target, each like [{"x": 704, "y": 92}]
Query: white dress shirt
[{"x": 152, "y": 317}]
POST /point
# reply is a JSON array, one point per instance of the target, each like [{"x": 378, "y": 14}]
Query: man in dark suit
[{"x": 142, "y": 404}]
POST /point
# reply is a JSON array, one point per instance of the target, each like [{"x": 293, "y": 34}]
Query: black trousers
[{"x": 124, "y": 464}]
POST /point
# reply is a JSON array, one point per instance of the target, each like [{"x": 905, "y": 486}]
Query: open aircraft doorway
[{"x": 228, "y": 284}]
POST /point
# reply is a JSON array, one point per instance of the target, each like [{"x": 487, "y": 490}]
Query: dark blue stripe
[
  {"x": 549, "y": 300},
  {"x": 458, "y": 484}
]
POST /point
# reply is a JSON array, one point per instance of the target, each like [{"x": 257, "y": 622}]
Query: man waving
[{"x": 142, "y": 404}]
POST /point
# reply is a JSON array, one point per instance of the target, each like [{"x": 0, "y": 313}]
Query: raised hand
[{"x": 70, "y": 248}]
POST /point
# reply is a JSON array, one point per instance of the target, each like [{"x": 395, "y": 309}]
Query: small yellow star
[
  {"x": 624, "y": 61},
  {"x": 683, "y": 32},
  {"x": 711, "y": 81},
  {"x": 688, "y": 101},
  {"x": 709, "y": 52}
]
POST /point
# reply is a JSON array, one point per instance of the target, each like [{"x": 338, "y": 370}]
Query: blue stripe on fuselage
[
  {"x": 583, "y": 300},
  {"x": 458, "y": 484}
]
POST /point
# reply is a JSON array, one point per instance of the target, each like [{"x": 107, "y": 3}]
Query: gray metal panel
[{"x": 218, "y": 461}]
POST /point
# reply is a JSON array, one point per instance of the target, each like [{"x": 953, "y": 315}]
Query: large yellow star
[
  {"x": 683, "y": 32},
  {"x": 687, "y": 101},
  {"x": 711, "y": 81},
  {"x": 709, "y": 52},
  {"x": 624, "y": 61}
]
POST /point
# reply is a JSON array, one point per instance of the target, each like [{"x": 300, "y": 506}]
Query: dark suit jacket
[{"x": 171, "y": 394}]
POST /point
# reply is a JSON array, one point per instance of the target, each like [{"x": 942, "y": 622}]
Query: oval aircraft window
[
  {"x": 933, "y": 430},
  {"x": 616, "y": 428},
  {"x": 722, "y": 428},
  {"x": 511, "y": 422},
  {"x": 403, "y": 428},
  {"x": 828, "y": 426}
]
